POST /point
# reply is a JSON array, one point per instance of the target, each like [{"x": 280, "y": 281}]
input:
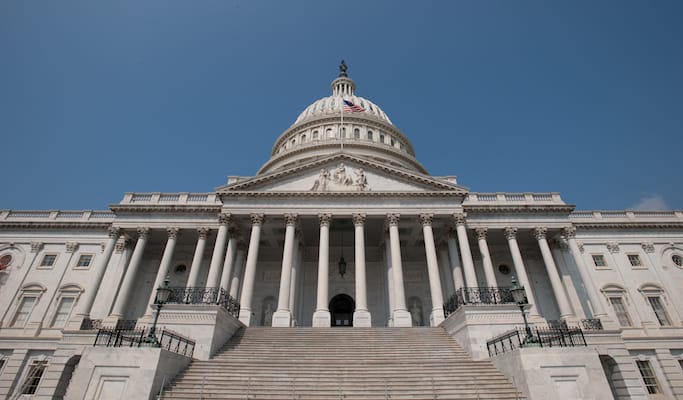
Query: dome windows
[
  {"x": 370, "y": 135},
  {"x": 315, "y": 135},
  {"x": 356, "y": 133}
]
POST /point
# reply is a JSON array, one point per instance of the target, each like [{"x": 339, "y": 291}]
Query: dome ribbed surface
[{"x": 331, "y": 105}]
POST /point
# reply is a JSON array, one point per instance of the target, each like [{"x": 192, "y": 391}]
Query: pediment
[{"x": 343, "y": 174}]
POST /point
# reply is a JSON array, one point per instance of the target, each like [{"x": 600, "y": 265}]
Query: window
[
  {"x": 292, "y": 142},
  {"x": 3, "y": 361},
  {"x": 648, "y": 376},
  {"x": 303, "y": 138},
  {"x": 48, "y": 260},
  {"x": 5, "y": 261},
  {"x": 63, "y": 312},
  {"x": 680, "y": 363},
  {"x": 35, "y": 373},
  {"x": 381, "y": 138},
  {"x": 393, "y": 143},
  {"x": 343, "y": 132},
  {"x": 356, "y": 133},
  {"x": 84, "y": 261},
  {"x": 370, "y": 135},
  {"x": 659, "y": 310},
  {"x": 23, "y": 311},
  {"x": 620, "y": 310},
  {"x": 315, "y": 135},
  {"x": 599, "y": 260},
  {"x": 677, "y": 259},
  {"x": 634, "y": 259},
  {"x": 328, "y": 132}
]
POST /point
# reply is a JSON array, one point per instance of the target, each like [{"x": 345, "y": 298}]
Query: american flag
[{"x": 350, "y": 107}]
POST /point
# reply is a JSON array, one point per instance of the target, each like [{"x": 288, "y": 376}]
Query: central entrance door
[{"x": 342, "y": 307}]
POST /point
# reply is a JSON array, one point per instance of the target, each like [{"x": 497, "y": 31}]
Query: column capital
[
  {"x": 290, "y": 219},
  {"x": 121, "y": 245},
  {"x": 36, "y": 246},
  {"x": 71, "y": 247},
  {"x": 459, "y": 218},
  {"x": 114, "y": 231},
  {"x": 569, "y": 232},
  {"x": 203, "y": 232},
  {"x": 540, "y": 233},
  {"x": 481, "y": 233},
  {"x": 358, "y": 219},
  {"x": 510, "y": 233},
  {"x": 325, "y": 219},
  {"x": 580, "y": 244},
  {"x": 257, "y": 219},
  {"x": 393, "y": 218},
  {"x": 224, "y": 218},
  {"x": 172, "y": 232},
  {"x": 143, "y": 232},
  {"x": 426, "y": 218}
]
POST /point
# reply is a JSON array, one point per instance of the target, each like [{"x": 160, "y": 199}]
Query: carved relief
[
  {"x": 613, "y": 247},
  {"x": 341, "y": 179},
  {"x": 649, "y": 247},
  {"x": 71, "y": 247}
]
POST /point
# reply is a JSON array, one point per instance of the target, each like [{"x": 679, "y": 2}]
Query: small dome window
[
  {"x": 370, "y": 135},
  {"x": 315, "y": 135},
  {"x": 356, "y": 133},
  {"x": 393, "y": 143},
  {"x": 303, "y": 138},
  {"x": 381, "y": 138},
  {"x": 328, "y": 132}
]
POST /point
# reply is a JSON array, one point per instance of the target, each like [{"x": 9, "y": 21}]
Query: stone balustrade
[
  {"x": 617, "y": 216},
  {"x": 171, "y": 198},
  {"x": 513, "y": 199},
  {"x": 56, "y": 215}
]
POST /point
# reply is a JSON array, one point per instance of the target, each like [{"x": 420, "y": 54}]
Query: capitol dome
[{"x": 342, "y": 122}]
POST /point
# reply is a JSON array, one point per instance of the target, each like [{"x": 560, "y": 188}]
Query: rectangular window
[
  {"x": 634, "y": 259},
  {"x": 370, "y": 135},
  {"x": 599, "y": 260},
  {"x": 3, "y": 361},
  {"x": 648, "y": 376},
  {"x": 381, "y": 138},
  {"x": 48, "y": 260},
  {"x": 680, "y": 363},
  {"x": 63, "y": 312},
  {"x": 620, "y": 311},
  {"x": 35, "y": 373},
  {"x": 84, "y": 261},
  {"x": 23, "y": 311},
  {"x": 660, "y": 311}
]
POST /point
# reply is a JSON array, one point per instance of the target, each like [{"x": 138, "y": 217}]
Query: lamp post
[
  {"x": 163, "y": 293},
  {"x": 519, "y": 296}
]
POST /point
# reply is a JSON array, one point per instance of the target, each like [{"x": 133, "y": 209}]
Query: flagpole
[{"x": 341, "y": 125}]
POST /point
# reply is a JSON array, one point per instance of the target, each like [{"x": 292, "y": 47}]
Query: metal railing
[
  {"x": 201, "y": 295},
  {"x": 540, "y": 337},
  {"x": 138, "y": 337},
  {"x": 477, "y": 295}
]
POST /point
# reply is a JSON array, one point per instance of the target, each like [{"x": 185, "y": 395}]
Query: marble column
[
  {"x": 297, "y": 271},
  {"x": 454, "y": 257},
  {"x": 390, "y": 278},
  {"x": 520, "y": 269},
  {"x": 217, "y": 257},
  {"x": 164, "y": 266},
  {"x": 445, "y": 270},
  {"x": 401, "y": 316},
  {"x": 99, "y": 270},
  {"x": 553, "y": 274},
  {"x": 465, "y": 252},
  {"x": 321, "y": 316},
  {"x": 250, "y": 269},
  {"x": 283, "y": 315},
  {"x": 129, "y": 280},
  {"x": 361, "y": 316},
  {"x": 195, "y": 269},
  {"x": 229, "y": 262},
  {"x": 240, "y": 259},
  {"x": 489, "y": 273},
  {"x": 437, "y": 315},
  {"x": 596, "y": 304}
]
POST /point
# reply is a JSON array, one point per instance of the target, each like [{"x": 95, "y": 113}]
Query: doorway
[{"x": 342, "y": 307}]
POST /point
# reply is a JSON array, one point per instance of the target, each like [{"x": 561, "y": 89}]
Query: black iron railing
[
  {"x": 201, "y": 295},
  {"x": 540, "y": 337},
  {"x": 477, "y": 295},
  {"x": 592, "y": 324},
  {"x": 139, "y": 337}
]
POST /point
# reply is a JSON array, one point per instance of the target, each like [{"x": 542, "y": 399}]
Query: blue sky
[{"x": 580, "y": 97}]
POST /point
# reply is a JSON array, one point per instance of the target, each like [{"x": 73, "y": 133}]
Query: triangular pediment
[{"x": 343, "y": 173}]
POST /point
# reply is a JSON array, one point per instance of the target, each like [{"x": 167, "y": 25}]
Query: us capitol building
[{"x": 341, "y": 232}]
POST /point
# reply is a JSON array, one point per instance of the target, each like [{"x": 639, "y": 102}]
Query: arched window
[
  {"x": 68, "y": 296},
  {"x": 656, "y": 299},
  {"x": 328, "y": 133},
  {"x": 616, "y": 296},
  {"x": 370, "y": 135},
  {"x": 26, "y": 301},
  {"x": 303, "y": 138},
  {"x": 315, "y": 135},
  {"x": 381, "y": 138},
  {"x": 356, "y": 133}
]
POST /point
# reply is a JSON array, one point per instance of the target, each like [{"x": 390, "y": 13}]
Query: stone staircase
[{"x": 341, "y": 363}]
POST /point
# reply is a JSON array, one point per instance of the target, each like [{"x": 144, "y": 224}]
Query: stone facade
[{"x": 342, "y": 227}]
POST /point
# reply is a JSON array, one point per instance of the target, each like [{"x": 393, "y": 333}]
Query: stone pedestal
[
  {"x": 402, "y": 319},
  {"x": 362, "y": 319},
  {"x": 322, "y": 319},
  {"x": 436, "y": 317},
  {"x": 282, "y": 319}
]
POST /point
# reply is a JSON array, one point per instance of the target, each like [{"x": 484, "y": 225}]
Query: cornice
[
  {"x": 628, "y": 225},
  {"x": 166, "y": 208},
  {"x": 450, "y": 193},
  {"x": 518, "y": 209},
  {"x": 54, "y": 225}
]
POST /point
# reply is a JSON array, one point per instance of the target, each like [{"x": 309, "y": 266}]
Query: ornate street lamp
[
  {"x": 519, "y": 296},
  {"x": 163, "y": 293}
]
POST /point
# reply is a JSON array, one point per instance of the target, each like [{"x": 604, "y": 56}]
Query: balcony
[{"x": 477, "y": 296}]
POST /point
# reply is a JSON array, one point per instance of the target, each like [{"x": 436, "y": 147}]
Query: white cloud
[{"x": 651, "y": 202}]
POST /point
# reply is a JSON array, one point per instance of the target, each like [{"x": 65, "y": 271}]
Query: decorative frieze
[{"x": 341, "y": 179}]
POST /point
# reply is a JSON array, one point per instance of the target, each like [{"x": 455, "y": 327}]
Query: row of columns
[{"x": 227, "y": 259}]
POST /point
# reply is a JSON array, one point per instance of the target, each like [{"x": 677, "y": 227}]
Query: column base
[
  {"x": 402, "y": 319},
  {"x": 322, "y": 319},
  {"x": 111, "y": 320},
  {"x": 282, "y": 319},
  {"x": 246, "y": 316},
  {"x": 436, "y": 317},
  {"x": 362, "y": 319}
]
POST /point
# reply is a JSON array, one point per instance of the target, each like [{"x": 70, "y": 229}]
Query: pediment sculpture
[{"x": 341, "y": 178}]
